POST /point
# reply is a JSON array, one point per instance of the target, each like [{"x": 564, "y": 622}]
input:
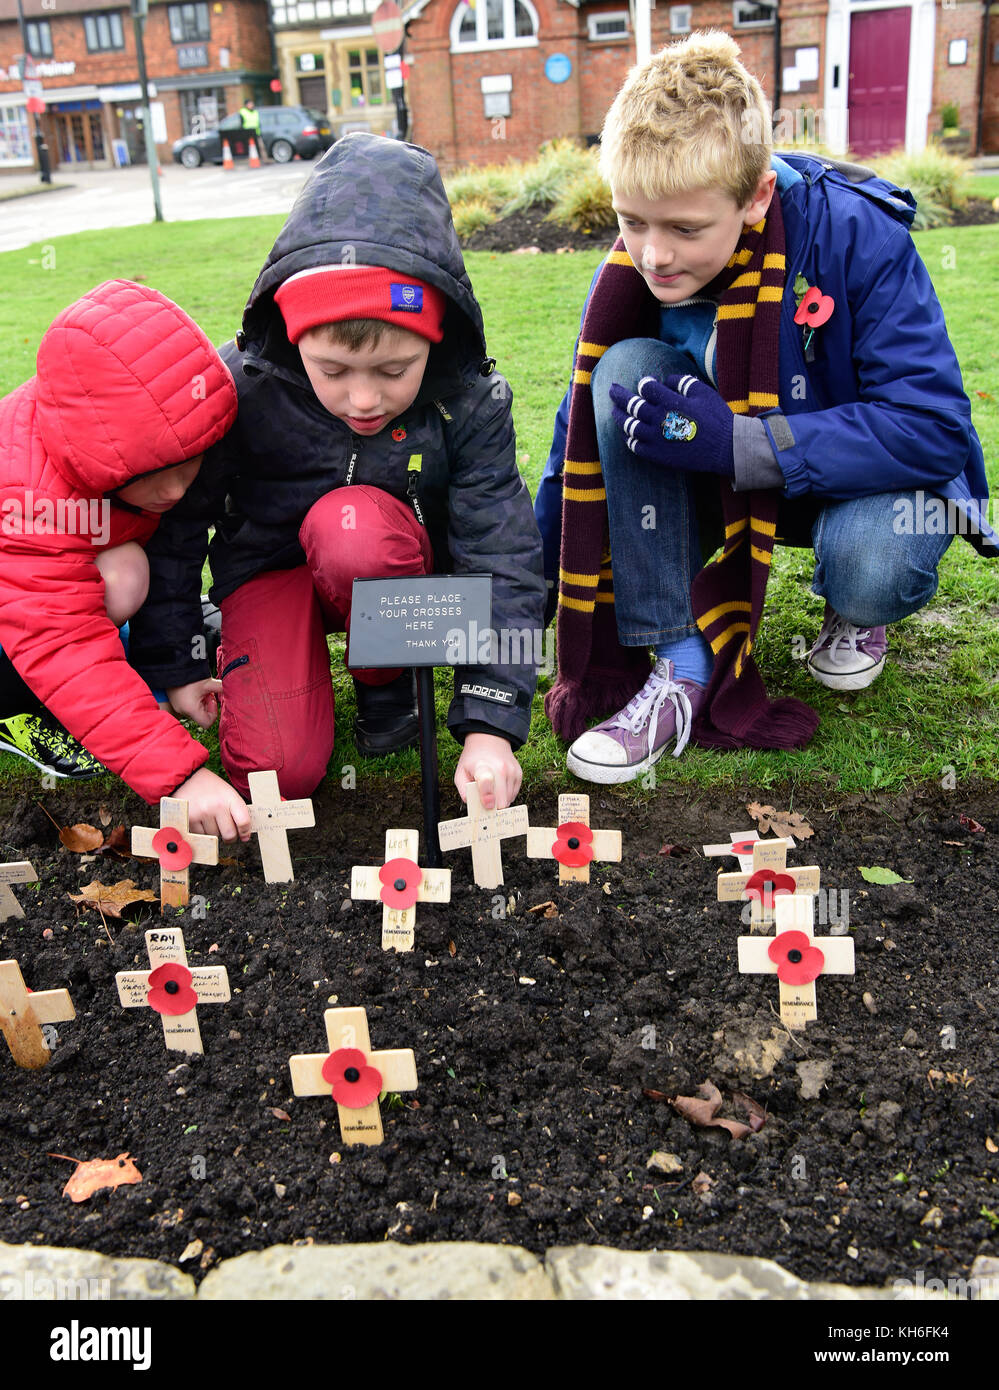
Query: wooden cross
[
  {"x": 573, "y": 843},
  {"x": 23, "y": 1012},
  {"x": 742, "y": 844},
  {"x": 271, "y": 819},
  {"x": 769, "y": 879},
  {"x": 483, "y": 830},
  {"x": 795, "y": 953},
  {"x": 21, "y": 872},
  {"x": 175, "y": 852},
  {"x": 169, "y": 985},
  {"x": 353, "y": 1074},
  {"x": 399, "y": 884}
]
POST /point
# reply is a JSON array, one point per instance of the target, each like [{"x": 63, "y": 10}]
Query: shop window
[
  {"x": 202, "y": 108},
  {"x": 494, "y": 23},
  {"x": 103, "y": 31},
  {"x": 15, "y": 136},
  {"x": 189, "y": 22}
]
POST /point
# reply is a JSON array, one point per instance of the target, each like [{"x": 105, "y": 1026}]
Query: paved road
[{"x": 124, "y": 198}]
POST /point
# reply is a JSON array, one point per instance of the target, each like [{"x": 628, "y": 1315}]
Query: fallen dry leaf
[
  {"x": 704, "y": 1112},
  {"x": 452, "y": 949},
  {"x": 991, "y": 1145},
  {"x": 782, "y": 823},
  {"x": 699, "y": 1112},
  {"x": 280, "y": 1114},
  {"x": 702, "y": 1183},
  {"x": 971, "y": 824},
  {"x": 81, "y": 839},
  {"x": 675, "y": 849},
  {"x": 757, "y": 1115},
  {"x": 112, "y": 898},
  {"x": 117, "y": 842},
  {"x": 543, "y": 907},
  {"x": 104, "y": 816},
  {"x": 94, "y": 1174},
  {"x": 654, "y": 1095}
]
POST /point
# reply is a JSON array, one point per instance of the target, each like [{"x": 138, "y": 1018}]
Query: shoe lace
[
  {"x": 840, "y": 638},
  {"x": 644, "y": 707}
]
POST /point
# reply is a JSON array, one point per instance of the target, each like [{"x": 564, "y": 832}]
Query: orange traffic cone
[
  {"x": 254, "y": 157},
  {"x": 227, "y": 160}
]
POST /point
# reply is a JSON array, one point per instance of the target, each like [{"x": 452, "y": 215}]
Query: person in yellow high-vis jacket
[{"x": 250, "y": 118}]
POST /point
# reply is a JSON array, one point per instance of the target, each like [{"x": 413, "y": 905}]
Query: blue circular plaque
[{"x": 558, "y": 67}]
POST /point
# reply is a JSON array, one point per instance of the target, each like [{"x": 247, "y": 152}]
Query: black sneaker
[
  {"x": 44, "y": 742},
  {"x": 387, "y": 720}
]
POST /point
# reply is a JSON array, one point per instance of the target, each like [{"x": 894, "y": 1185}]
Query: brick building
[
  {"x": 202, "y": 59},
  {"x": 328, "y": 59},
  {"x": 495, "y": 78}
]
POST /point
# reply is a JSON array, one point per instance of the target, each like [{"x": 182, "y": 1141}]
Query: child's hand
[
  {"x": 488, "y": 759},
  {"x": 214, "y": 807},
  {"x": 197, "y": 701},
  {"x": 683, "y": 424}
]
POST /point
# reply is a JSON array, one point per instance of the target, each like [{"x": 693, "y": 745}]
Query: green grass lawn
[{"x": 935, "y": 706}]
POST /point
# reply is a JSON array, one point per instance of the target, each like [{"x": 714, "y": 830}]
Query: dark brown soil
[
  {"x": 975, "y": 212},
  {"x": 530, "y": 229},
  {"x": 632, "y": 987}
]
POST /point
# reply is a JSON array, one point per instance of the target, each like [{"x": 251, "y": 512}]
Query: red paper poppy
[
  {"x": 402, "y": 879},
  {"x": 743, "y": 846},
  {"x": 172, "y": 849},
  {"x": 815, "y": 308},
  {"x": 171, "y": 991},
  {"x": 355, "y": 1083},
  {"x": 798, "y": 961},
  {"x": 398, "y": 433},
  {"x": 573, "y": 846},
  {"x": 765, "y": 884}
]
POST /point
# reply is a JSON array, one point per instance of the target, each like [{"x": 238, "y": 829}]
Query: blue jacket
[{"x": 882, "y": 407}]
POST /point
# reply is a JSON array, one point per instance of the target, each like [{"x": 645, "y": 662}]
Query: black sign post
[{"x": 422, "y": 621}]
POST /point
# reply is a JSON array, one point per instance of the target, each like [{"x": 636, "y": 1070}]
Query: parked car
[{"x": 284, "y": 130}]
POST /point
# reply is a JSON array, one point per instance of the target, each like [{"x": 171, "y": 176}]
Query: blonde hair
[{"x": 690, "y": 117}]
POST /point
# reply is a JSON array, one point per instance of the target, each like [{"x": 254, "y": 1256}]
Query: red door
[{"x": 879, "y": 80}]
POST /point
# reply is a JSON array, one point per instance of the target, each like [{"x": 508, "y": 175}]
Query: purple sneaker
[
  {"x": 623, "y": 747},
  {"x": 846, "y": 657}
]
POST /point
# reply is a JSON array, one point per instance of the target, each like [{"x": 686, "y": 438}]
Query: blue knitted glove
[{"x": 682, "y": 424}]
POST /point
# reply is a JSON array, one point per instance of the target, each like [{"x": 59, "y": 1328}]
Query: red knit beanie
[{"x": 332, "y": 293}]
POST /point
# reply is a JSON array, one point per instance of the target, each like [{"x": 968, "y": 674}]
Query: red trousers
[{"x": 277, "y": 692}]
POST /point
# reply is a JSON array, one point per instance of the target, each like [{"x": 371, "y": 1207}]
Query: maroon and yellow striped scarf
[{"x": 596, "y": 675}]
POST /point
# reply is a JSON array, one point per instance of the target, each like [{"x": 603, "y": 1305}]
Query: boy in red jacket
[{"x": 94, "y": 449}]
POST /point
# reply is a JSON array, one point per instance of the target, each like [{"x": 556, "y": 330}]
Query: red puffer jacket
[{"x": 126, "y": 384}]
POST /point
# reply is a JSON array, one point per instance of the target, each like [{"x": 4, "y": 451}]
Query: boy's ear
[{"x": 757, "y": 208}]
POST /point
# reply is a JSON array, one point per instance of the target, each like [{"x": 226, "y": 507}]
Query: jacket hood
[
  {"x": 813, "y": 169},
  {"x": 127, "y": 384},
  {"x": 371, "y": 201}
]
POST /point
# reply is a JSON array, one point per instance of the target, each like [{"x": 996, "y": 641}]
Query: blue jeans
[{"x": 664, "y": 524}]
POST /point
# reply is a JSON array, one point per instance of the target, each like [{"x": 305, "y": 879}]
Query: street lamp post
[
  {"x": 44, "y": 168},
  {"x": 140, "y": 9}
]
